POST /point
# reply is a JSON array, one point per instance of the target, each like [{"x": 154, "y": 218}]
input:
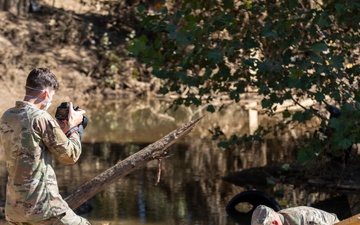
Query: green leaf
[
  {"x": 336, "y": 124},
  {"x": 324, "y": 20},
  {"x": 264, "y": 90},
  {"x": 214, "y": 56},
  {"x": 316, "y": 57},
  {"x": 141, "y": 8},
  {"x": 271, "y": 34},
  {"x": 345, "y": 143},
  {"x": 163, "y": 90},
  {"x": 340, "y": 8},
  {"x": 228, "y": 4},
  {"x": 287, "y": 56},
  {"x": 293, "y": 4},
  {"x": 250, "y": 43},
  {"x": 337, "y": 62},
  {"x": 266, "y": 103},
  {"x": 286, "y": 114},
  {"x": 298, "y": 116},
  {"x": 181, "y": 39},
  {"x": 319, "y": 97},
  {"x": 227, "y": 19},
  {"x": 223, "y": 144},
  {"x": 305, "y": 155},
  {"x": 285, "y": 166},
  {"x": 210, "y": 108},
  {"x": 138, "y": 45},
  {"x": 296, "y": 73},
  {"x": 248, "y": 4},
  {"x": 171, "y": 28},
  {"x": 234, "y": 95},
  {"x": 319, "y": 47},
  {"x": 336, "y": 95}
]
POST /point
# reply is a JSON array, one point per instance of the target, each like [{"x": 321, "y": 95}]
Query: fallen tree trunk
[
  {"x": 156, "y": 150},
  {"x": 354, "y": 220}
]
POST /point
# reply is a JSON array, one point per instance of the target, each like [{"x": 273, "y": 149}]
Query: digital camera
[{"x": 62, "y": 113}]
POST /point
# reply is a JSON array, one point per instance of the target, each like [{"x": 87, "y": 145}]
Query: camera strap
[{"x": 74, "y": 129}]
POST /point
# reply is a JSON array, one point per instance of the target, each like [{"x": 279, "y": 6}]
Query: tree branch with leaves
[{"x": 281, "y": 49}]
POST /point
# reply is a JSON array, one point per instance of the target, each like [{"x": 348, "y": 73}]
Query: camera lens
[{"x": 85, "y": 122}]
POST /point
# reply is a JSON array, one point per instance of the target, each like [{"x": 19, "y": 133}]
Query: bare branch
[{"x": 153, "y": 151}]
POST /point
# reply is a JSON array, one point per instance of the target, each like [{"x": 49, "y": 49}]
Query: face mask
[{"x": 47, "y": 104}]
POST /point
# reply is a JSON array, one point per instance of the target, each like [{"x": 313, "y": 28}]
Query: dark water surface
[{"x": 191, "y": 189}]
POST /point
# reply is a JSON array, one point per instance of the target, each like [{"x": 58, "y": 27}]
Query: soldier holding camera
[{"x": 31, "y": 138}]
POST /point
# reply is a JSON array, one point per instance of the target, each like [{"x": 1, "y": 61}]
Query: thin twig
[{"x": 159, "y": 170}]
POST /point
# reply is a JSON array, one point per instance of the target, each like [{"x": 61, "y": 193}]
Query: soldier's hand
[{"x": 75, "y": 117}]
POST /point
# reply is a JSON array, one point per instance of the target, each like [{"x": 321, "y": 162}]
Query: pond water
[{"x": 191, "y": 188}]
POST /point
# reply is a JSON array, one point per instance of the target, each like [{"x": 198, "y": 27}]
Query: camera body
[{"x": 62, "y": 113}]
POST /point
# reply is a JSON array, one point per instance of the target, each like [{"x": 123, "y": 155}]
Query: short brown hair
[{"x": 40, "y": 78}]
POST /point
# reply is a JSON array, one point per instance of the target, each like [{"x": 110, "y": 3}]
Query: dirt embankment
[{"x": 68, "y": 38}]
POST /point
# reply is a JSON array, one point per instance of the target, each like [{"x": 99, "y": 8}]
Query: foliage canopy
[{"x": 282, "y": 50}]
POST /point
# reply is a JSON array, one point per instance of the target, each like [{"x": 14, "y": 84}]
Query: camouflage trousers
[{"x": 67, "y": 218}]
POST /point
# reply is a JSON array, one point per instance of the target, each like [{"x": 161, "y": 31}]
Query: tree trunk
[
  {"x": 153, "y": 151},
  {"x": 354, "y": 220},
  {"x": 5, "y": 5},
  {"x": 16, "y": 7}
]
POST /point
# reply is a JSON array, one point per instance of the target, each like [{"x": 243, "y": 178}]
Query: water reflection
[
  {"x": 192, "y": 189},
  {"x": 185, "y": 194}
]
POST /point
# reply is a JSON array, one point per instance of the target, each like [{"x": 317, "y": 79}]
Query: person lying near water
[{"x": 300, "y": 215}]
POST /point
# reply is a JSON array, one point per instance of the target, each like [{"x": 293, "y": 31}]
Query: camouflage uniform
[
  {"x": 31, "y": 137},
  {"x": 301, "y": 215}
]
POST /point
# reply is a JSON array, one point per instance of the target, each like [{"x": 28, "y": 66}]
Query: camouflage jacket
[
  {"x": 31, "y": 137},
  {"x": 303, "y": 215}
]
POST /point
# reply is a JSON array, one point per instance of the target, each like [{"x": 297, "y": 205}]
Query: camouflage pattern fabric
[
  {"x": 64, "y": 219},
  {"x": 301, "y": 215},
  {"x": 31, "y": 137}
]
